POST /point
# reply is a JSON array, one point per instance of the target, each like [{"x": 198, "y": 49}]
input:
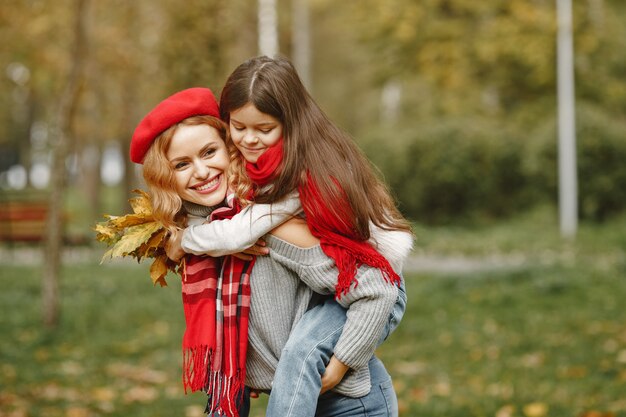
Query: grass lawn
[{"x": 546, "y": 339}]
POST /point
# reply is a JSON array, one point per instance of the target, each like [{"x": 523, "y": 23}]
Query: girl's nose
[{"x": 250, "y": 138}]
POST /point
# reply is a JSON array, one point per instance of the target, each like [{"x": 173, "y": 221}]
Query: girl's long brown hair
[
  {"x": 167, "y": 206},
  {"x": 312, "y": 144}
]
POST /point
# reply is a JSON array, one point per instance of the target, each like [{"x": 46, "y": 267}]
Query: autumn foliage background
[{"x": 454, "y": 101}]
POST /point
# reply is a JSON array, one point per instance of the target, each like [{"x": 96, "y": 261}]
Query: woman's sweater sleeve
[
  {"x": 224, "y": 237},
  {"x": 368, "y": 304}
]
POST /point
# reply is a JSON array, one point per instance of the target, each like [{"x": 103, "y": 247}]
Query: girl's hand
[
  {"x": 335, "y": 371},
  {"x": 258, "y": 249},
  {"x": 173, "y": 247}
]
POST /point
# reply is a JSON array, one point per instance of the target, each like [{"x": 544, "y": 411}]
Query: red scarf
[
  {"x": 216, "y": 301},
  {"x": 264, "y": 170},
  {"x": 337, "y": 236}
]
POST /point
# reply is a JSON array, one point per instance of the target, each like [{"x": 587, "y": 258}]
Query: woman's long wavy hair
[
  {"x": 167, "y": 206},
  {"x": 313, "y": 145}
]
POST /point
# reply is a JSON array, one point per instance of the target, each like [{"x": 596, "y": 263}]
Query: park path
[{"x": 416, "y": 263}]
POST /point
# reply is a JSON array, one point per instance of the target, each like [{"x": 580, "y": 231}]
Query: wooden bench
[{"x": 23, "y": 221}]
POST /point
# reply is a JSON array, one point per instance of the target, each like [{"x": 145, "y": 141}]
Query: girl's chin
[{"x": 251, "y": 158}]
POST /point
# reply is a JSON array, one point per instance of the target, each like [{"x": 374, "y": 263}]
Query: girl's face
[
  {"x": 199, "y": 159},
  {"x": 254, "y": 132}
]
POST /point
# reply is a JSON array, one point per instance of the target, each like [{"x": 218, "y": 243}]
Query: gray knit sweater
[
  {"x": 282, "y": 285},
  {"x": 283, "y": 282}
]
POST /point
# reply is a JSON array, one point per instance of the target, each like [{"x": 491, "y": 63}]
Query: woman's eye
[
  {"x": 266, "y": 131},
  {"x": 238, "y": 128},
  {"x": 209, "y": 152},
  {"x": 180, "y": 166}
]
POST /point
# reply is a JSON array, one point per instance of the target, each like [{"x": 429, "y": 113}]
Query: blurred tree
[
  {"x": 387, "y": 67},
  {"x": 301, "y": 40},
  {"x": 68, "y": 102}
]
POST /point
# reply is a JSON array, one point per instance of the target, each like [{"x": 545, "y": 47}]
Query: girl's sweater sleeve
[
  {"x": 369, "y": 304},
  {"x": 224, "y": 237}
]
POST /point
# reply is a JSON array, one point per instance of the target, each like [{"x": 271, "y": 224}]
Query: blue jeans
[
  {"x": 297, "y": 382},
  {"x": 380, "y": 402}
]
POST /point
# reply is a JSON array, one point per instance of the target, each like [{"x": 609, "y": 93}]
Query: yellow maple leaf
[
  {"x": 141, "y": 204},
  {"x": 158, "y": 270},
  {"x": 133, "y": 238},
  {"x": 130, "y": 220},
  {"x": 137, "y": 235},
  {"x": 106, "y": 233}
]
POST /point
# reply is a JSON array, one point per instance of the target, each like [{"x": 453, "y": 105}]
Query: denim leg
[
  {"x": 380, "y": 402},
  {"x": 297, "y": 382},
  {"x": 396, "y": 314}
]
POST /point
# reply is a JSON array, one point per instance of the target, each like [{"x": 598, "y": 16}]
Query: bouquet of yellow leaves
[{"x": 137, "y": 235}]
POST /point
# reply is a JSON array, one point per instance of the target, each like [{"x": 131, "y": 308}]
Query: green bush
[
  {"x": 601, "y": 166},
  {"x": 458, "y": 170},
  {"x": 470, "y": 169}
]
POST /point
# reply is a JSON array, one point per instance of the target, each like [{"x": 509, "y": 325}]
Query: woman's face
[
  {"x": 254, "y": 132},
  {"x": 199, "y": 159}
]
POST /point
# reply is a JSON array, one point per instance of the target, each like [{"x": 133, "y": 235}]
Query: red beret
[{"x": 196, "y": 101}]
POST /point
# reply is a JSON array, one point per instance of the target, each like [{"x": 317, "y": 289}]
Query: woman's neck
[{"x": 198, "y": 209}]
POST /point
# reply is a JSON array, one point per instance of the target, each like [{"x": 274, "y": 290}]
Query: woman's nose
[{"x": 200, "y": 170}]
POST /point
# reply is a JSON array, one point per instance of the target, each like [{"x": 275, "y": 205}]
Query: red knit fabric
[
  {"x": 336, "y": 233},
  {"x": 216, "y": 302},
  {"x": 264, "y": 170},
  {"x": 195, "y": 101}
]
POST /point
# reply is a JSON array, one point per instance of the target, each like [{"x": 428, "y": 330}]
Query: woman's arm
[{"x": 224, "y": 237}]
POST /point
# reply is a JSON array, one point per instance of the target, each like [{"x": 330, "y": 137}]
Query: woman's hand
[
  {"x": 173, "y": 247},
  {"x": 335, "y": 371},
  {"x": 258, "y": 249}
]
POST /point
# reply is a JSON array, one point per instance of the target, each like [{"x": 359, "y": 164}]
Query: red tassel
[{"x": 196, "y": 367}]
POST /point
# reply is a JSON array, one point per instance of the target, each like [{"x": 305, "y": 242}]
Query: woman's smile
[
  {"x": 210, "y": 185},
  {"x": 199, "y": 159}
]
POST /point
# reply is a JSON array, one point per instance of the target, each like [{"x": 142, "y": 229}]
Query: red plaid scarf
[
  {"x": 216, "y": 302},
  {"x": 336, "y": 234}
]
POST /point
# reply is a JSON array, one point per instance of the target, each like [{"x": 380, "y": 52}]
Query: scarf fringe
[
  {"x": 225, "y": 391},
  {"x": 348, "y": 265},
  {"x": 196, "y": 363}
]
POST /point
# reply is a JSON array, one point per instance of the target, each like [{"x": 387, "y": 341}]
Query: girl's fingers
[
  {"x": 256, "y": 250},
  {"x": 243, "y": 256}
]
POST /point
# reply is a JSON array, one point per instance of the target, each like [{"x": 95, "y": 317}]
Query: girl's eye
[
  {"x": 266, "y": 131},
  {"x": 209, "y": 152},
  {"x": 180, "y": 165},
  {"x": 238, "y": 128}
]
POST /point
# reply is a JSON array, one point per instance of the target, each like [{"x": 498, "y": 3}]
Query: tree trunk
[
  {"x": 91, "y": 152},
  {"x": 268, "y": 28},
  {"x": 301, "y": 40},
  {"x": 59, "y": 150}
]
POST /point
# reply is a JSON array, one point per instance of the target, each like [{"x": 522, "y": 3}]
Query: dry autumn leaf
[
  {"x": 537, "y": 409},
  {"x": 141, "y": 204},
  {"x": 137, "y": 235}
]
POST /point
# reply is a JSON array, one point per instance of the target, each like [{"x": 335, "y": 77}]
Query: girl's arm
[
  {"x": 369, "y": 305},
  {"x": 224, "y": 237}
]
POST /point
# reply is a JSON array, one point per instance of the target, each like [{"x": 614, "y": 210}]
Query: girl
[{"x": 290, "y": 145}]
